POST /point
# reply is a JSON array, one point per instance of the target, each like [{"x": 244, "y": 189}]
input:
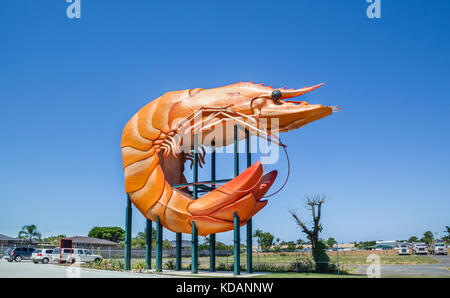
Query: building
[
  {"x": 10, "y": 241},
  {"x": 393, "y": 243},
  {"x": 381, "y": 247},
  {"x": 6, "y": 240},
  {"x": 91, "y": 242}
]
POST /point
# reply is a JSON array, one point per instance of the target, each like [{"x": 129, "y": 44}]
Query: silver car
[{"x": 42, "y": 256}]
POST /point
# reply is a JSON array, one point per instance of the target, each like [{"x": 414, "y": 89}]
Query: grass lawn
[{"x": 280, "y": 258}]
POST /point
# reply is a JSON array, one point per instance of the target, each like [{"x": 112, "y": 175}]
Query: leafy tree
[
  {"x": 222, "y": 246},
  {"x": 447, "y": 237},
  {"x": 205, "y": 244},
  {"x": 140, "y": 242},
  {"x": 291, "y": 246},
  {"x": 54, "y": 240},
  {"x": 264, "y": 239},
  {"x": 365, "y": 244},
  {"x": 427, "y": 237},
  {"x": 331, "y": 242},
  {"x": 29, "y": 232},
  {"x": 115, "y": 234},
  {"x": 166, "y": 244},
  {"x": 413, "y": 239},
  {"x": 314, "y": 204}
]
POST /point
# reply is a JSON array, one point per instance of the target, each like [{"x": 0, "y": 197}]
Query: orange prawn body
[{"x": 152, "y": 164}]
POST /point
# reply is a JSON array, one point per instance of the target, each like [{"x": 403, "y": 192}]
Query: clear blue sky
[{"x": 67, "y": 88}]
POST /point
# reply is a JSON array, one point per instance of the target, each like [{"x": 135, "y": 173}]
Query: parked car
[
  {"x": 18, "y": 254},
  {"x": 74, "y": 255},
  {"x": 420, "y": 249},
  {"x": 404, "y": 249},
  {"x": 42, "y": 256},
  {"x": 438, "y": 249}
]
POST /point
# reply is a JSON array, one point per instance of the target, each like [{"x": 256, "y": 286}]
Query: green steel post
[
  {"x": 212, "y": 237},
  {"x": 194, "y": 265},
  {"x": 237, "y": 244},
  {"x": 194, "y": 246},
  {"x": 237, "y": 240},
  {"x": 212, "y": 252},
  {"x": 159, "y": 237},
  {"x": 249, "y": 222},
  {"x": 178, "y": 251},
  {"x": 236, "y": 151},
  {"x": 148, "y": 244},
  {"x": 128, "y": 214}
]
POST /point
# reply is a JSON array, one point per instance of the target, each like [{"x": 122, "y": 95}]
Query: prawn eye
[{"x": 276, "y": 95}]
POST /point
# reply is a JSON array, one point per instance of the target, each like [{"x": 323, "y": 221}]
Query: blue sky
[{"x": 68, "y": 86}]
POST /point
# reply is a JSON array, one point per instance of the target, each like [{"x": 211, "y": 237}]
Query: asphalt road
[
  {"x": 440, "y": 269},
  {"x": 31, "y": 270}
]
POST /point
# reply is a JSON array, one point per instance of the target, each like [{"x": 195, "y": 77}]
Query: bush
[
  {"x": 139, "y": 266},
  {"x": 170, "y": 264},
  {"x": 116, "y": 265}
]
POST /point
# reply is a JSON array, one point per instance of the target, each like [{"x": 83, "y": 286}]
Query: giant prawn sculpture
[{"x": 153, "y": 159}]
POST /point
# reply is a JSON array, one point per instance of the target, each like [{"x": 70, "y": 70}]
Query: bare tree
[{"x": 314, "y": 204}]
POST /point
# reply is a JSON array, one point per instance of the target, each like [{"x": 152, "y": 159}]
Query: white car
[
  {"x": 42, "y": 256},
  {"x": 404, "y": 249},
  {"x": 420, "y": 249},
  {"x": 74, "y": 255},
  {"x": 438, "y": 249}
]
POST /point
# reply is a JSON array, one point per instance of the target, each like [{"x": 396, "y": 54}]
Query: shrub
[
  {"x": 170, "y": 264},
  {"x": 140, "y": 266}
]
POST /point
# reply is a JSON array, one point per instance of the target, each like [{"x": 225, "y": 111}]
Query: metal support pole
[
  {"x": 249, "y": 222},
  {"x": 194, "y": 247},
  {"x": 236, "y": 151},
  {"x": 159, "y": 237},
  {"x": 237, "y": 240},
  {"x": 148, "y": 244},
  {"x": 179, "y": 251},
  {"x": 212, "y": 237},
  {"x": 194, "y": 265},
  {"x": 128, "y": 214},
  {"x": 237, "y": 244}
]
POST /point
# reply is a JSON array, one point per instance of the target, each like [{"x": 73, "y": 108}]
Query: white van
[{"x": 74, "y": 255}]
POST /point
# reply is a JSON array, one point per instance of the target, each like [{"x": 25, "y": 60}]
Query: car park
[
  {"x": 42, "y": 256},
  {"x": 18, "y": 254}
]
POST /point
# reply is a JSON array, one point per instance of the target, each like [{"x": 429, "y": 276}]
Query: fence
[{"x": 139, "y": 253}]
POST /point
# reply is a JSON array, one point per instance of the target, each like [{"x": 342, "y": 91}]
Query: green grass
[
  {"x": 280, "y": 258},
  {"x": 386, "y": 260}
]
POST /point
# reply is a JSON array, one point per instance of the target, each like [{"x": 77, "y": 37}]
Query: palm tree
[
  {"x": 258, "y": 234},
  {"x": 29, "y": 232}
]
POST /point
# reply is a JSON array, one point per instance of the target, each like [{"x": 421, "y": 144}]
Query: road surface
[
  {"x": 439, "y": 269},
  {"x": 30, "y": 270}
]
